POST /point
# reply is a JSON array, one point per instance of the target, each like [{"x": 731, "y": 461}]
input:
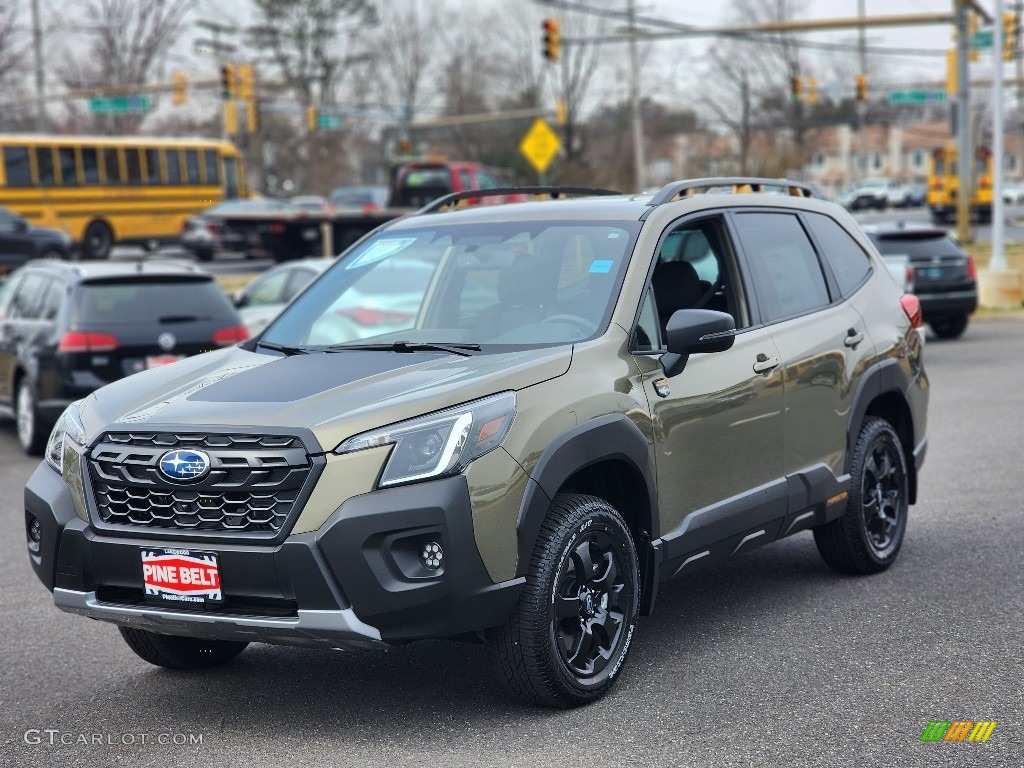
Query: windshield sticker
[
  {"x": 601, "y": 266},
  {"x": 380, "y": 250}
]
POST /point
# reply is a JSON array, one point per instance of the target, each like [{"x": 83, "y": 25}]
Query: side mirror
[
  {"x": 20, "y": 225},
  {"x": 696, "y": 330},
  {"x": 239, "y": 299}
]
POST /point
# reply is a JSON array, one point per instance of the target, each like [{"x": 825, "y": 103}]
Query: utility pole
[
  {"x": 862, "y": 106},
  {"x": 963, "y": 127},
  {"x": 640, "y": 177},
  {"x": 37, "y": 51},
  {"x": 998, "y": 261}
]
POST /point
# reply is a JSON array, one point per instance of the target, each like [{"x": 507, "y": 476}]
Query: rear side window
[
  {"x": 849, "y": 262},
  {"x": 192, "y": 166},
  {"x": 112, "y": 164},
  {"x": 19, "y": 174},
  {"x": 173, "y": 167},
  {"x": 785, "y": 268},
  {"x": 90, "y": 165},
  {"x": 44, "y": 166},
  {"x": 133, "y": 165},
  {"x": 121, "y": 301},
  {"x": 212, "y": 170},
  {"x": 68, "y": 169}
]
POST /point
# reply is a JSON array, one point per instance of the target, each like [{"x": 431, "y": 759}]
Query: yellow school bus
[
  {"x": 944, "y": 181},
  {"x": 102, "y": 191}
]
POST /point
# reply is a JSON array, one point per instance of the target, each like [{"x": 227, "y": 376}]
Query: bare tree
[
  {"x": 407, "y": 46},
  {"x": 752, "y": 76},
  {"x": 129, "y": 40},
  {"x": 311, "y": 42}
]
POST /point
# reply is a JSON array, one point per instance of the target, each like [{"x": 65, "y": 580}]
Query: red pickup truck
[{"x": 415, "y": 184}]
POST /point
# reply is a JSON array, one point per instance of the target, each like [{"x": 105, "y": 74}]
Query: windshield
[{"x": 510, "y": 284}]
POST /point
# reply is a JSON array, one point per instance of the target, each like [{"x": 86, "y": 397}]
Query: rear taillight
[
  {"x": 908, "y": 277},
  {"x": 276, "y": 227},
  {"x": 371, "y": 316},
  {"x": 972, "y": 268},
  {"x": 912, "y": 306},
  {"x": 211, "y": 227},
  {"x": 86, "y": 341},
  {"x": 227, "y": 336}
]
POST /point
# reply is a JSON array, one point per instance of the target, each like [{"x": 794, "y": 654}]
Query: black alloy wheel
[
  {"x": 568, "y": 637},
  {"x": 591, "y": 603},
  {"x": 868, "y": 535}
]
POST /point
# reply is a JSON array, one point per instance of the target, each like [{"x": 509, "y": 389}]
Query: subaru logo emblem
[{"x": 184, "y": 465}]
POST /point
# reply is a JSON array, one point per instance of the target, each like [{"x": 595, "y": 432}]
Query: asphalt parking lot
[{"x": 769, "y": 660}]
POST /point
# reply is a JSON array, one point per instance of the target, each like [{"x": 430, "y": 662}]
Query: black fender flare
[
  {"x": 610, "y": 437},
  {"x": 887, "y": 376}
]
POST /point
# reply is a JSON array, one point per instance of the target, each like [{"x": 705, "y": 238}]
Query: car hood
[{"x": 333, "y": 395}]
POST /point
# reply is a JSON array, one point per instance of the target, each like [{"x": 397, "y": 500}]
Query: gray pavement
[{"x": 769, "y": 660}]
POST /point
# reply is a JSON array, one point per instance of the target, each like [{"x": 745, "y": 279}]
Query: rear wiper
[
  {"x": 465, "y": 350},
  {"x": 283, "y": 348}
]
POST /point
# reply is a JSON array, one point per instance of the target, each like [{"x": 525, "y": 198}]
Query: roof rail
[
  {"x": 471, "y": 194},
  {"x": 739, "y": 184}
]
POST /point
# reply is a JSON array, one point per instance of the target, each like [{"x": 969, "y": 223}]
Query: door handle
[
  {"x": 765, "y": 363},
  {"x": 853, "y": 338}
]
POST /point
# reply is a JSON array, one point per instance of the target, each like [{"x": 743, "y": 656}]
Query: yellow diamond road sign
[{"x": 540, "y": 145}]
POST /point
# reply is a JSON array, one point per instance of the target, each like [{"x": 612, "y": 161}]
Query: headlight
[
  {"x": 68, "y": 426},
  {"x": 442, "y": 443}
]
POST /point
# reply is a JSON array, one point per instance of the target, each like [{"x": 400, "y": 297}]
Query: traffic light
[
  {"x": 179, "y": 88},
  {"x": 796, "y": 85},
  {"x": 252, "y": 116},
  {"x": 227, "y": 81},
  {"x": 311, "y": 117},
  {"x": 552, "y": 40},
  {"x": 951, "y": 82},
  {"x": 230, "y": 118},
  {"x": 246, "y": 84},
  {"x": 405, "y": 146},
  {"x": 1011, "y": 30},
  {"x": 861, "y": 83},
  {"x": 812, "y": 90}
]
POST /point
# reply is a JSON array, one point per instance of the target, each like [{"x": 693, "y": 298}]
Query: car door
[
  {"x": 21, "y": 324},
  {"x": 822, "y": 340},
  {"x": 718, "y": 425}
]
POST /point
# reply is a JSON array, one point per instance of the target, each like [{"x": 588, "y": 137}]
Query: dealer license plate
[
  {"x": 155, "y": 361},
  {"x": 181, "y": 576}
]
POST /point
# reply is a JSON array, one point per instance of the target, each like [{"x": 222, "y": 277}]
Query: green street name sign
[
  {"x": 328, "y": 121},
  {"x": 981, "y": 39},
  {"x": 917, "y": 97},
  {"x": 119, "y": 104}
]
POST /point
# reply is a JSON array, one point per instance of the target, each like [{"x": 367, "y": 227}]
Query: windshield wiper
[
  {"x": 465, "y": 350},
  {"x": 282, "y": 348}
]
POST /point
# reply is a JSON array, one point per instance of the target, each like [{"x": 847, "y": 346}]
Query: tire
[
  {"x": 31, "y": 433},
  {"x": 176, "y": 652},
  {"x": 548, "y": 651},
  {"x": 949, "y": 327},
  {"x": 98, "y": 240},
  {"x": 868, "y": 536},
  {"x": 203, "y": 254}
]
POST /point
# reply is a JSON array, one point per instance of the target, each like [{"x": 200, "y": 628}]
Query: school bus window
[
  {"x": 212, "y": 172},
  {"x": 90, "y": 166},
  {"x": 113, "y": 165},
  {"x": 173, "y": 166},
  {"x": 133, "y": 165},
  {"x": 192, "y": 166},
  {"x": 153, "y": 166},
  {"x": 44, "y": 166},
  {"x": 68, "y": 168},
  {"x": 19, "y": 173},
  {"x": 230, "y": 178}
]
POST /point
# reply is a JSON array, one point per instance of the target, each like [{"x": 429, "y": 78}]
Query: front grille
[{"x": 252, "y": 487}]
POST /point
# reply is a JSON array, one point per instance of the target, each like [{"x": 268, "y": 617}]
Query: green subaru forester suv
[{"x": 541, "y": 412}]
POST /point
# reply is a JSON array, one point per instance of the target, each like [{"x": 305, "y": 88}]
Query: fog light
[
  {"x": 431, "y": 555},
  {"x": 35, "y": 530}
]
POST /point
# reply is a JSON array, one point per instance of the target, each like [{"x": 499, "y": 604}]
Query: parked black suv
[
  {"x": 945, "y": 276},
  {"x": 20, "y": 241},
  {"x": 67, "y": 329}
]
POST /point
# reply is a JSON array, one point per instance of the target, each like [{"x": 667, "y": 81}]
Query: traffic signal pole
[{"x": 963, "y": 129}]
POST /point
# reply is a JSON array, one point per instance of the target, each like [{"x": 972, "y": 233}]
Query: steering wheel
[{"x": 581, "y": 323}]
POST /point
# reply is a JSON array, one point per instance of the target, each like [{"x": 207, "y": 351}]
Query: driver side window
[{"x": 693, "y": 272}]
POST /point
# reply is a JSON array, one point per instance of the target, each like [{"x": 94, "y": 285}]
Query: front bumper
[{"x": 357, "y": 582}]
